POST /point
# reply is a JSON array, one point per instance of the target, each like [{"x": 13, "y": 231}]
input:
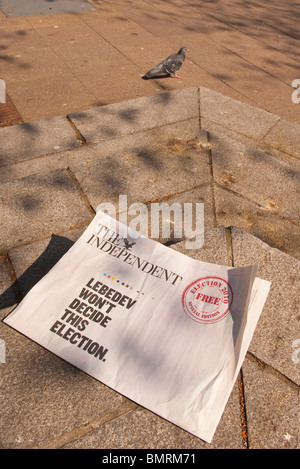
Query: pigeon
[{"x": 169, "y": 66}]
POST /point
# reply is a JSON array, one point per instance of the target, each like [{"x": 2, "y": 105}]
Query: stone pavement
[
  {"x": 174, "y": 142},
  {"x": 190, "y": 145}
]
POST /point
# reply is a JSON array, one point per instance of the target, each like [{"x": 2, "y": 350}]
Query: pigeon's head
[{"x": 183, "y": 50}]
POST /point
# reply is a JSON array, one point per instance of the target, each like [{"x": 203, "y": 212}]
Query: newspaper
[{"x": 165, "y": 330}]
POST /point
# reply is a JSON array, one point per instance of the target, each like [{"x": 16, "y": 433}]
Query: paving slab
[
  {"x": 41, "y": 7},
  {"x": 37, "y": 205},
  {"x": 34, "y": 139},
  {"x": 257, "y": 175},
  {"x": 38, "y": 401},
  {"x": 272, "y": 404},
  {"x": 174, "y": 135},
  {"x": 242, "y": 118},
  {"x": 202, "y": 194},
  {"x": 285, "y": 136},
  {"x": 51, "y": 89},
  {"x": 260, "y": 54},
  {"x": 148, "y": 171},
  {"x": 234, "y": 210},
  {"x": 215, "y": 248},
  {"x": 278, "y": 326},
  {"x": 142, "y": 429},
  {"x": 135, "y": 47},
  {"x": 136, "y": 115},
  {"x": 271, "y": 371},
  {"x": 151, "y": 19},
  {"x": 72, "y": 43},
  {"x": 27, "y": 58},
  {"x": 258, "y": 146}
]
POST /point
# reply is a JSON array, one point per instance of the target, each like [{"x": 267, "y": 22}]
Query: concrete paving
[{"x": 228, "y": 135}]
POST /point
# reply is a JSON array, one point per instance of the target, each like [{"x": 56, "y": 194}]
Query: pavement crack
[
  {"x": 78, "y": 134},
  {"x": 212, "y": 182},
  {"x": 91, "y": 426},
  {"x": 258, "y": 205},
  {"x": 82, "y": 195},
  {"x": 270, "y": 369},
  {"x": 243, "y": 413},
  {"x": 199, "y": 107},
  {"x": 229, "y": 246},
  {"x": 269, "y": 130}
]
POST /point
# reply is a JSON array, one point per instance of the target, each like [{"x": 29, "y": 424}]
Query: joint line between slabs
[{"x": 83, "y": 196}]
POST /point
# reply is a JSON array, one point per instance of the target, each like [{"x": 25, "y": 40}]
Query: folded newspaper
[{"x": 165, "y": 330}]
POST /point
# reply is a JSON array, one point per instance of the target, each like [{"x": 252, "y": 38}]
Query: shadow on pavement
[{"x": 57, "y": 247}]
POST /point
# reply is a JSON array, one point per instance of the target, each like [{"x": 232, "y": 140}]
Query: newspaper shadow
[{"x": 57, "y": 247}]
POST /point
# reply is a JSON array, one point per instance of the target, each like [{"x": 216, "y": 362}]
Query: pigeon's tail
[
  {"x": 155, "y": 72},
  {"x": 147, "y": 75}
]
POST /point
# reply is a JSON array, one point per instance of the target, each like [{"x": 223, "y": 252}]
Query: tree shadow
[{"x": 12, "y": 59}]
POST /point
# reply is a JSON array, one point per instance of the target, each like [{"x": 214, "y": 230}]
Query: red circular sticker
[{"x": 207, "y": 300}]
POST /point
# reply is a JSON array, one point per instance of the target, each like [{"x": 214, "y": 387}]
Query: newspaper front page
[{"x": 165, "y": 330}]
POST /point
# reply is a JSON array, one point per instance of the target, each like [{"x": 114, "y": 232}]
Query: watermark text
[
  {"x": 2, "y": 92},
  {"x": 2, "y": 351},
  {"x": 296, "y": 93},
  {"x": 296, "y": 352},
  {"x": 160, "y": 220}
]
